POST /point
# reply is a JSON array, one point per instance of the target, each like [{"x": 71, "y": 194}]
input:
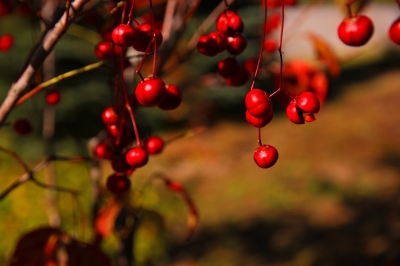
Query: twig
[{"x": 51, "y": 38}]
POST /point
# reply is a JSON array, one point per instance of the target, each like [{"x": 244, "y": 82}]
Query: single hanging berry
[
  {"x": 154, "y": 145},
  {"x": 356, "y": 30},
  {"x": 394, "y": 32},
  {"x": 258, "y": 103},
  {"x": 229, "y": 23},
  {"x": 172, "y": 99},
  {"x": 266, "y": 156},
  {"x": 150, "y": 92},
  {"x": 118, "y": 184},
  {"x": 137, "y": 157},
  {"x": 122, "y": 35},
  {"x": 143, "y": 37}
]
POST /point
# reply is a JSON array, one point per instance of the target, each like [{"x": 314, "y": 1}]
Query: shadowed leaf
[{"x": 105, "y": 219}]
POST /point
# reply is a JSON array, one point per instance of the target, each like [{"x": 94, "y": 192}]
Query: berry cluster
[{"x": 229, "y": 37}]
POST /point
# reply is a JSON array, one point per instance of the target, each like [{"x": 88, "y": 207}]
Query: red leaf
[
  {"x": 193, "y": 216},
  {"x": 105, "y": 219}
]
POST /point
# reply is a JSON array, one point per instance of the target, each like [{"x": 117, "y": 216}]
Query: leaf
[
  {"x": 105, "y": 219},
  {"x": 326, "y": 54},
  {"x": 356, "y": 7},
  {"x": 193, "y": 216},
  {"x": 37, "y": 248},
  {"x": 42, "y": 247}
]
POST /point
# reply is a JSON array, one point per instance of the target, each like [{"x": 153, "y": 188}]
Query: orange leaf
[
  {"x": 105, "y": 219},
  {"x": 326, "y": 54}
]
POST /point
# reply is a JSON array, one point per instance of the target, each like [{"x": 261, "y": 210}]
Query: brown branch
[
  {"x": 29, "y": 175},
  {"x": 51, "y": 38}
]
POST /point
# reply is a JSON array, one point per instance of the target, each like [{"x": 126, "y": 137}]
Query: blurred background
[{"x": 331, "y": 199}]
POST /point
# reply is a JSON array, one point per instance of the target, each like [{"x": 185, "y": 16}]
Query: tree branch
[{"x": 51, "y": 38}]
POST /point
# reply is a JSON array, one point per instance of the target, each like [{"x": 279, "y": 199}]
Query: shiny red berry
[
  {"x": 228, "y": 67},
  {"x": 259, "y": 122},
  {"x": 23, "y": 127},
  {"x": 118, "y": 184},
  {"x": 308, "y": 102},
  {"x": 258, "y": 103},
  {"x": 150, "y": 92},
  {"x": 356, "y": 31},
  {"x": 207, "y": 46},
  {"x": 236, "y": 45},
  {"x": 154, "y": 145},
  {"x": 53, "y": 97},
  {"x": 110, "y": 116},
  {"x": 172, "y": 99},
  {"x": 309, "y": 118},
  {"x": 239, "y": 79},
  {"x": 266, "y": 156},
  {"x": 229, "y": 23},
  {"x": 220, "y": 39},
  {"x": 137, "y": 157},
  {"x": 102, "y": 151},
  {"x": 394, "y": 32},
  {"x": 294, "y": 113},
  {"x": 143, "y": 36},
  {"x": 6, "y": 42},
  {"x": 104, "y": 50},
  {"x": 122, "y": 35}
]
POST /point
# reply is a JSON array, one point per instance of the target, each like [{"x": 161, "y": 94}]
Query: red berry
[
  {"x": 118, "y": 184},
  {"x": 220, "y": 40},
  {"x": 239, "y": 79},
  {"x": 207, "y": 46},
  {"x": 356, "y": 31},
  {"x": 259, "y": 122},
  {"x": 251, "y": 64},
  {"x": 137, "y": 157},
  {"x": 266, "y": 156},
  {"x": 273, "y": 22},
  {"x": 104, "y": 50},
  {"x": 394, "y": 32},
  {"x": 122, "y": 35},
  {"x": 154, "y": 145},
  {"x": 119, "y": 164},
  {"x": 270, "y": 45},
  {"x": 228, "y": 67},
  {"x": 308, "y": 102},
  {"x": 258, "y": 103},
  {"x": 142, "y": 37},
  {"x": 173, "y": 98},
  {"x": 102, "y": 151},
  {"x": 23, "y": 127},
  {"x": 294, "y": 114},
  {"x": 309, "y": 118},
  {"x": 236, "y": 45},
  {"x": 113, "y": 130},
  {"x": 150, "y": 92},
  {"x": 6, "y": 42},
  {"x": 110, "y": 116},
  {"x": 229, "y": 23},
  {"x": 53, "y": 97}
]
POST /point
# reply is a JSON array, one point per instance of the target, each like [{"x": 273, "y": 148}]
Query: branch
[{"x": 51, "y": 38}]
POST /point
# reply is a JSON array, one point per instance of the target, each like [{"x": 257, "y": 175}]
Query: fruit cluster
[{"x": 229, "y": 37}]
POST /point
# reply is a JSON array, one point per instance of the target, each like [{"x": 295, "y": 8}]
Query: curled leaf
[{"x": 326, "y": 54}]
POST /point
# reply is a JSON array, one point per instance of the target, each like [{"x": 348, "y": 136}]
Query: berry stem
[
  {"x": 131, "y": 13},
  {"x": 259, "y": 133},
  {"x": 143, "y": 58},
  {"x": 127, "y": 103},
  {"x": 154, "y": 38},
  {"x": 261, "y": 49},
  {"x": 123, "y": 12},
  {"x": 281, "y": 55},
  {"x": 226, "y": 4},
  {"x": 348, "y": 5}
]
